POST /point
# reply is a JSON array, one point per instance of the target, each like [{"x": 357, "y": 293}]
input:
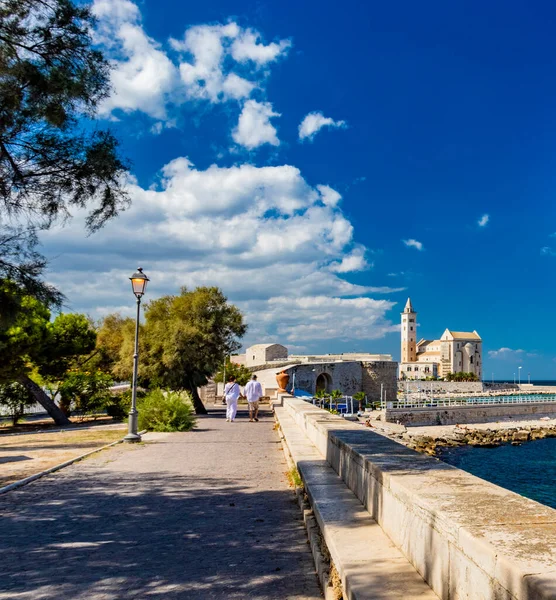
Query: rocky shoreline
[{"x": 486, "y": 435}]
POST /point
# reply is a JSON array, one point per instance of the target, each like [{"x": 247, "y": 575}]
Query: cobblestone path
[{"x": 205, "y": 514}]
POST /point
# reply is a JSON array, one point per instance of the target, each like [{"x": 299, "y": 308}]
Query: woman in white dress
[{"x": 231, "y": 393}]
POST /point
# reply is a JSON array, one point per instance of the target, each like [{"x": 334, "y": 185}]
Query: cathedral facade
[{"x": 454, "y": 352}]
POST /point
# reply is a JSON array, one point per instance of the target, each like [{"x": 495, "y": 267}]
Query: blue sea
[{"x": 529, "y": 469}]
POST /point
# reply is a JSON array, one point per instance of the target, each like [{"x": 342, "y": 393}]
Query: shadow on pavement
[{"x": 124, "y": 535}]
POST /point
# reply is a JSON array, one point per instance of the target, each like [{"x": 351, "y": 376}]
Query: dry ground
[{"x": 26, "y": 454}]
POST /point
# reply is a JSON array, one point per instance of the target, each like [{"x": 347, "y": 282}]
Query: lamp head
[{"x": 139, "y": 282}]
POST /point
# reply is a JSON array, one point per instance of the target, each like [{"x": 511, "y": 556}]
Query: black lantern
[{"x": 139, "y": 282}]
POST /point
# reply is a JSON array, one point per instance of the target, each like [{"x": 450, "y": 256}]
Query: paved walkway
[{"x": 205, "y": 514}]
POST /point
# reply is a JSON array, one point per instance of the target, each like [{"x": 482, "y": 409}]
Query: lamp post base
[{"x": 132, "y": 435}]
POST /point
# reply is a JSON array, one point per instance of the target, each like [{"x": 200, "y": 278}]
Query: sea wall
[
  {"x": 451, "y": 415},
  {"x": 454, "y": 387},
  {"x": 468, "y": 539}
]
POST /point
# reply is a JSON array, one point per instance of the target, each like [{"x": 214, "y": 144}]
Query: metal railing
[
  {"x": 343, "y": 405},
  {"x": 472, "y": 401}
]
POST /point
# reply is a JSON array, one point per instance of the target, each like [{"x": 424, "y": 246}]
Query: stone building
[
  {"x": 348, "y": 372},
  {"x": 260, "y": 354},
  {"x": 454, "y": 352},
  {"x": 348, "y": 376}
]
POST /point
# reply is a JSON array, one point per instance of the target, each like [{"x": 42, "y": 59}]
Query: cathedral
[{"x": 454, "y": 352}]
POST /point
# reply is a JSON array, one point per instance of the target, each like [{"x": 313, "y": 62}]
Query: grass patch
[{"x": 294, "y": 478}]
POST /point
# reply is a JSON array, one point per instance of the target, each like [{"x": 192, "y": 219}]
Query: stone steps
[{"x": 369, "y": 564}]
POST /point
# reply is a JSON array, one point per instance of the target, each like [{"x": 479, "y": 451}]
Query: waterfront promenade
[{"x": 203, "y": 514}]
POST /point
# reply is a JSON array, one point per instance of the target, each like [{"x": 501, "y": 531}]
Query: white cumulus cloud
[
  {"x": 482, "y": 222},
  {"x": 329, "y": 196},
  {"x": 511, "y": 355},
  {"x": 262, "y": 234},
  {"x": 143, "y": 76},
  {"x": 254, "y": 127},
  {"x": 411, "y": 243},
  {"x": 354, "y": 261},
  {"x": 314, "y": 122},
  {"x": 247, "y": 46},
  {"x": 215, "y": 63}
]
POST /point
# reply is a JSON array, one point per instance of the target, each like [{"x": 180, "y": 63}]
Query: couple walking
[{"x": 253, "y": 392}]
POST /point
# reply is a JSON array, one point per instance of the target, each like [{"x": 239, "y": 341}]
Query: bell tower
[{"x": 409, "y": 333}]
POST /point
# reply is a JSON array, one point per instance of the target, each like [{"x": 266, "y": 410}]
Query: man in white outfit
[
  {"x": 231, "y": 393},
  {"x": 253, "y": 393}
]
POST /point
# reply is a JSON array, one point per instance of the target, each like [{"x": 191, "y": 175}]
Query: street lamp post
[
  {"x": 519, "y": 379},
  {"x": 138, "y": 284}
]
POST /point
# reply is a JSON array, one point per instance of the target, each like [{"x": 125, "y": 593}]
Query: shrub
[
  {"x": 166, "y": 411},
  {"x": 15, "y": 398},
  {"x": 118, "y": 404},
  {"x": 87, "y": 391}
]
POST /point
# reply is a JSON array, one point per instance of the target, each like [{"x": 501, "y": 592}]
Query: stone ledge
[
  {"x": 468, "y": 538},
  {"x": 369, "y": 564}
]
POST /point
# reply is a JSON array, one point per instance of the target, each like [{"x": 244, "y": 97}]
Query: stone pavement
[{"x": 205, "y": 514}]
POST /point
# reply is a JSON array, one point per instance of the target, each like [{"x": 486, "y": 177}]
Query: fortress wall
[
  {"x": 376, "y": 373},
  {"x": 469, "y": 539}
]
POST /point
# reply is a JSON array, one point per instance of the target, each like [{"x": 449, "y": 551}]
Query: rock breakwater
[{"x": 465, "y": 435}]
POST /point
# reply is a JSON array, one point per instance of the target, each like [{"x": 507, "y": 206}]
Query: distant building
[
  {"x": 454, "y": 352},
  {"x": 261, "y": 354},
  {"x": 374, "y": 374}
]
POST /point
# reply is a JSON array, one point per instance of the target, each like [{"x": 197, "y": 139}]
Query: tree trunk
[
  {"x": 54, "y": 411},
  {"x": 197, "y": 402}
]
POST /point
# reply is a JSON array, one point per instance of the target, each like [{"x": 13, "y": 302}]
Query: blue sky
[{"x": 321, "y": 161}]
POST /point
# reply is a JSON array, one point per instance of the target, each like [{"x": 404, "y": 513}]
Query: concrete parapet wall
[
  {"x": 468, "y": 539},
  {"x": 450, "y": 415}
]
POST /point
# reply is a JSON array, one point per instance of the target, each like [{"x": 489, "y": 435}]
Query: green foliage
[
  {"x": 88, "y": 391},
  {"x": 24, "y": 335},
  {"x": 51, "y": 159},
  {"x": 115, "y": 347},
  {"x": 118, "y": 405},
  {"x": 359, "y": 396},
  {"x": 69, "y": 336},
  {"x": 186, "y": 336},
  {"x": 336, "y": 394},
  {"x": 166, "y": 411},
  {"x": 21, "y": 264},
  {"x": 240, "y": 372},
  {"x": 295, "y": 478},
  {"x": 16, "y": 398},
  {"x": 51, "y": 79},
  {"x": 461, "y": 376},
  {"x": 30, "y": 340},
  {"x": 321, "y": 394}
]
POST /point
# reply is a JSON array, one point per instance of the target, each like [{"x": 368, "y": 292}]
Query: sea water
[{"x": 528, "y": 469}]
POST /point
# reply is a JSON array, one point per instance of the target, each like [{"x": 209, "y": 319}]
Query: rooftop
[{"x": 464, "y": 335}]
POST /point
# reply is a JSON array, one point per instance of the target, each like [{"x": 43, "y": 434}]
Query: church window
[
  {"x": 409, "y": 368},
  {"x": 411, "y": 328},
  {"x": 471, "y": 360},
  {"x": 412, "y": 320}
]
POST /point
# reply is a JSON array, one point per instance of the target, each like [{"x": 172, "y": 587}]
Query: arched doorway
[{"x": 324, "y": 383}]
